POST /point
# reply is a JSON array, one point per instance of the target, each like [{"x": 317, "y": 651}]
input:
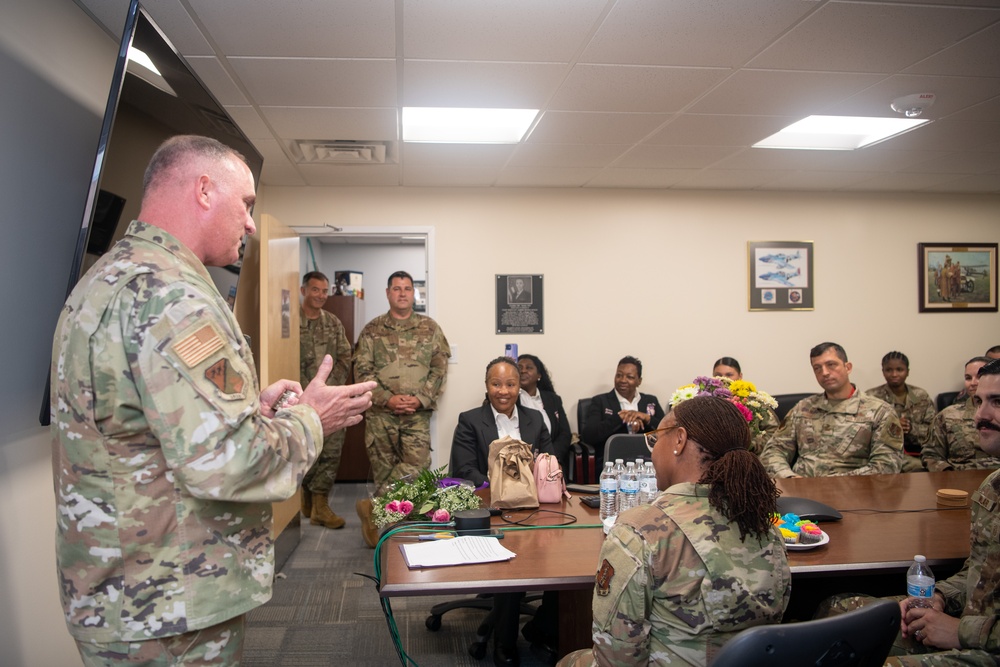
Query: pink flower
[
  {"x": 440, "y": 516},
  {"x": 393, "y": 506},
  {"x": 744, "y": 410},
  {"x": 405, "y": 506}
]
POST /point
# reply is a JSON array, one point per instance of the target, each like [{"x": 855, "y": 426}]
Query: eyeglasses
[{"x": 652, "y": 437}]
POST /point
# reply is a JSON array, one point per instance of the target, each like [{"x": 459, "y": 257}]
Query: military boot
[
  {"x": 368, "y": 529},
  {"x": 305, "y": 496},
  {"x": 322, "y": 515}
]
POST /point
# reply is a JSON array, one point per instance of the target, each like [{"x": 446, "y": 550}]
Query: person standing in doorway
[
  {"x": 407, "y": 355},
  {"x": 321, "y": 333}
]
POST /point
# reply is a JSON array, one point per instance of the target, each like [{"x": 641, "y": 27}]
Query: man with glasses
[{"x": 839, "y": 432}]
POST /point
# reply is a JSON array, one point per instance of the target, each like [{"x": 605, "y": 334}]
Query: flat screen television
[{"x": 146, "y": 105}]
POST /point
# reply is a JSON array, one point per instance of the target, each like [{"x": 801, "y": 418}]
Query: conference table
[{"x": 887, "y": 519}]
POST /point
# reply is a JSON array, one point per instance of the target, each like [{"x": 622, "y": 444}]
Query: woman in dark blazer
[
  {"x": 477, "y": 428},
  {"x": 606, "y": 416},
  {"x": 538, "y": 393},
  {"x": 470, "y": 449}
]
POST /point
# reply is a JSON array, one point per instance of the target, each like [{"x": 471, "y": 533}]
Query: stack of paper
[{"x": 463, "y": 550}]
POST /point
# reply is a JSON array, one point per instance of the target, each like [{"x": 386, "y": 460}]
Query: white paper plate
[{"x": 807, "y": 547}]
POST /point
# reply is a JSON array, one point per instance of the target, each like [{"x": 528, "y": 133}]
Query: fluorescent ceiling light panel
[
  {"x": 466, "y": 126},
  {"x": 838, "y": 133}
]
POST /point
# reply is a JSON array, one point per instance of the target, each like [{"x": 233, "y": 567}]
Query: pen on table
[{"x": 436, "y": 536}]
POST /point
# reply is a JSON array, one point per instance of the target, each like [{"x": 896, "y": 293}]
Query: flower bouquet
[
  {"x": 752, "y": 403},
  {"x": 429, "y": 497}
]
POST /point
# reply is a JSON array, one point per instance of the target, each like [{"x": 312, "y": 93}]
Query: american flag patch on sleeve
[{"x": 196, "y": 347}]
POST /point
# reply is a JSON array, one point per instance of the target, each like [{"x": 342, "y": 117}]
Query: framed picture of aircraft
[
  {"x": 781, "y": 275},
  {"x": 957, "y": 277}
]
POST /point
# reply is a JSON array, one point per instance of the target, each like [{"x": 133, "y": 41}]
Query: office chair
[
  {"x": 786, "y": 402},
  {"x": 477, "y": 649},
  {"x": 859, "y": 638},
  {"x": 584, "y": 468},
  {"x": 945, "y": 399},
  {"x": 626, "y": 446}
]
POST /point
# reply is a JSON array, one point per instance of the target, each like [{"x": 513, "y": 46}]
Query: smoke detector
[{"x": 912, "y": 106}]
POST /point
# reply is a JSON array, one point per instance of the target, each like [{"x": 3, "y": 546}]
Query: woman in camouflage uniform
[{"x": 679, "y": 577}]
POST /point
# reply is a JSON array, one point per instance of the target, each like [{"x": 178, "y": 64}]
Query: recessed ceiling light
[
  {"x": 838, "y": 133},
  {"x": 466, "y": 126}
]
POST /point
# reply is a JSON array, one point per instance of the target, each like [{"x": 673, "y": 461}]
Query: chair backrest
[
  {"x": 945, "y": 399},
  {"x": 581, "y": 416},
  {"x": 627, "y": 446},
  {"x": 859, "y": 638},
  {"x": 786, "y": 402}
]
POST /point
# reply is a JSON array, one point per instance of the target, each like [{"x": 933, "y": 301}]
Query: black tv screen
[{"x": 144, "y": 108}]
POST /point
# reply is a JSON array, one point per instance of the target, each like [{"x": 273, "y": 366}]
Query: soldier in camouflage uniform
[
  {"x": 681, "y": 576},
  {"x": 165, "y": 455},
  {"x": 913, "y": 406},
  {"x": 320, "y": 334},
  {"x": 961, "y": 628},
  {"x": 954, "y": 442},
  {"x": 407, "y": 355},
  {"x": 838, "y": 432}
]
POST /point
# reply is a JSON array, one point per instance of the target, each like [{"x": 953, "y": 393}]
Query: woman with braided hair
[{"x": 678, "y": 578}]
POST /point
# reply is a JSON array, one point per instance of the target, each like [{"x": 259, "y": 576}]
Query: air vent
[{"x": 340, "y": 152}]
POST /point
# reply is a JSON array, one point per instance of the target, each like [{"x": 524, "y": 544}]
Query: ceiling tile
[
  {"x": 630, "y": 88},
  {"x": 722, "y": 179},
  {"x": 902, "y": 182},
  {"x": 333, "y": 124},
  {"x": 499, "y": 30},
  {"x": 707, "y": 130},
  {"x": 249, "y": 121},
  {"x": 870, "y": 37},
  {"x": 310, "y": 82},
  {"x": 310, "y": 28},
  {"x": 982, "y": 47},
  {"x": 281, "y": 174},
  {"x": 448, "y": 176},
  {"x": 820, "y": 181},
  {"x": 566, "y": 155},
  {"x": 549, "y": 177},
  {"x": 953, "y": 94},
  {"x": 327, "y": 175},
  {"x": 969, "y": 184},
  {"x": 475, "y": 156},
  {"x": 674, "y": 157},
  {"x": 781, "y": 93},
  {"x": 211, "y": 72},
  {"x": 659, "y": 32},
  {"x": 640, "y": 178},
  {"x": 569, "y": 127},
  {"x": 434, "y": 83}
]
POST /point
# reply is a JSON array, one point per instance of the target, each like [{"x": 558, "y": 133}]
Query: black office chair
[
  {"x": 584, "y": 467},
  {"x": 859, "y": 638},
  {"x": 786, "y": 402},
  {"x": 945, "y": 399},
  {"x": 626, "y": 446},
  {"x": 477, "y": 649}
]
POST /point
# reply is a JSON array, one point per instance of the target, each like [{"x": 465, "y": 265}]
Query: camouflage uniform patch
[
  {"x": 406, "y": 357},
  {"x": 954, "y": 441},
  {"x": 859, "y": 435},
  {"x": 163, "y": 478}
]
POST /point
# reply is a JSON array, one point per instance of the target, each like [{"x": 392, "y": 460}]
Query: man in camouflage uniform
[
  {"x": 320, "y": 334},
  {"x": 838, "y": 432},
  {"x": 166, "y": 456},
  {"x": 954, "y": 442},
  {"x": 961, "y": 627},
  {"x": 673, "y": 587},
  {"x": 407, "y": 355}
]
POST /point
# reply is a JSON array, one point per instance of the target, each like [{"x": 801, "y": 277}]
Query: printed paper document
[{"x": 463, "y": 550}]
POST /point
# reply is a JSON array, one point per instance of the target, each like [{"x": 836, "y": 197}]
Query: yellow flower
[{"x": 742, "y": 388}]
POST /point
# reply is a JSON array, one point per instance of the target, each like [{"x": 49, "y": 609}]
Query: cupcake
[
  {"x": 790, "y": 536},
  {"x": 810, "y": 534}
]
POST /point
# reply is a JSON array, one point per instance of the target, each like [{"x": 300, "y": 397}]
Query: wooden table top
[{"x": 887, "y": 520}]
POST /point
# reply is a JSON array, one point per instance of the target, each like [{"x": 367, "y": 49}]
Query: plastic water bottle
[
  {"x": 609, "y": 491},
  {"x": 919, "y": 583},
  {"x": 647, "y": 484},
  {"x": 619, "y": 471},
  {"x": 629, "y": 488}
]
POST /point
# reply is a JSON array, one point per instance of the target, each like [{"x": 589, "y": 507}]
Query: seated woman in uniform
[
  {"x": 499, "y": 415},
  {"x": 538, "y": 393},
  {"x": 728, "y": 367},
  {"x": 678, "y": 578},
  {"x": 913, "y": 406},
  {"x": 621, "y": 410}
]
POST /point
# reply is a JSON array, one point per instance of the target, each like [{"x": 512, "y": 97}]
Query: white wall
[
  {"x": 663, "y": 276},
  {"x": 51, "y": 116}
]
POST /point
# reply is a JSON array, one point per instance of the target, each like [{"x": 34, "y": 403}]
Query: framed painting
[
  {"x": 957, "y": 277},
  {"x": 780, "y": 275}
]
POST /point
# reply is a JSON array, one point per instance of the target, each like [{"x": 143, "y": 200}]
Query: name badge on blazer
[{"x": 609, "y": 411}]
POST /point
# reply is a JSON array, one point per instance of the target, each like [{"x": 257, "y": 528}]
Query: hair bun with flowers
[{"x": 751, "y": 403}]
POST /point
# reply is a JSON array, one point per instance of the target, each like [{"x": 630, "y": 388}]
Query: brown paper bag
[{"x": 512, "y": 478}]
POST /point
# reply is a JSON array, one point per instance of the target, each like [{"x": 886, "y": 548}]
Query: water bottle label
[
  {"x": 920, "y": 591},
  {"x": 644, "y": 486},
  {"x": 609, "y": 485},
  {"x": 630, "y": 487}
]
